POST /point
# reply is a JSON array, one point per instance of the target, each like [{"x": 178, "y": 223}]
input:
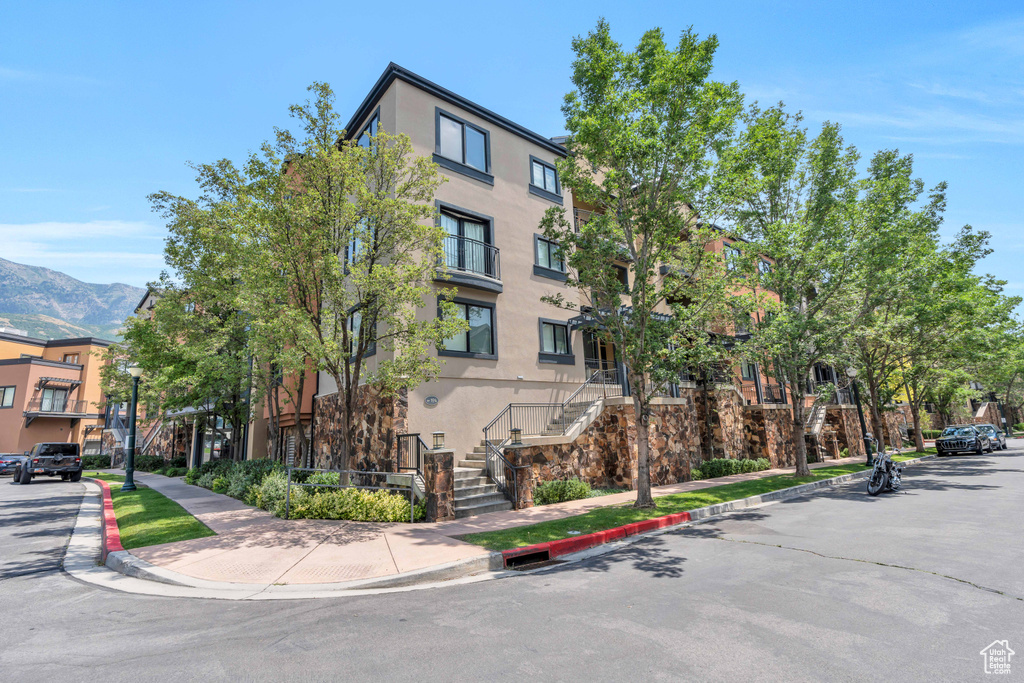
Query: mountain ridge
[{"x": 48, "y": 303}]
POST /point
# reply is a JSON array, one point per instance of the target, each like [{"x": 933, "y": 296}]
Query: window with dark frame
[
  {"x": 748, "y": 370},
  {"x": 468, "y": 246},
  {"x": 731, "y": 253},
  {"x": 71, "y": 358},
  {"x": 7, "y": 397},
  {"x": 462, "y": 142},
  {"x": 554, "y": 338},
  {"x": 764, "y": 267},
  {"x": 479, "y": 340},
  {"x": 544, "y": 176},
  {"x": 370, "y": 130},
  {"x": 548, "y": 255},
  {"x": 623, "y": 277}
]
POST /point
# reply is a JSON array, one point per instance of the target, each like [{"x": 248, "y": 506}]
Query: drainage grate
[{"x": 527, "y": 566}]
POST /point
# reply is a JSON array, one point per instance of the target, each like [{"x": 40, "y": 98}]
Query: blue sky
[{"x": 104, "y": 103}]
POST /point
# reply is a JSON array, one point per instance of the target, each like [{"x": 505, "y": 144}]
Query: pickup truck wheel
[
  {"x": 25, "y": 477},
  {"x": 76, "y": 476},
  {"x": 65, "y": 477}
]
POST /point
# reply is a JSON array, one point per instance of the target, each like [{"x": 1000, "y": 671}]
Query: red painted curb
[
  {"x": 111, "y": 534},
  {"x": 575, "y": 544}
]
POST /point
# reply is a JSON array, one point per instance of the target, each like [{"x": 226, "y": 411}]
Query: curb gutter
[
  {"x": 116, "y": 558},
  {"x": 549, "y": 550}
]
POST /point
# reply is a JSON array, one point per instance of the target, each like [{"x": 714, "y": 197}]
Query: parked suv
[
  {"x": 8, "y": 462},
  {"x": 51, "y": 459},
  {"x": 997, "y": 436},
  {"x": 963, "y": 438}
]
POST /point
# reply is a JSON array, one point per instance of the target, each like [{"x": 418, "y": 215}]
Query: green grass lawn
[
  {"x": 145, "y": 517},
  {"x": 611, "y": 517}
]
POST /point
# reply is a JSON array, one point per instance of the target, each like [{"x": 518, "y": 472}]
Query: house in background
[{"x": 50, "y": 391}]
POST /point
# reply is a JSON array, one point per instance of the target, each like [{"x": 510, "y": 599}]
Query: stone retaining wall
[
  {"x": 768, "y": 430},
  {"x": 381, "y": 419},
  {"x": 845, "y": 422}
]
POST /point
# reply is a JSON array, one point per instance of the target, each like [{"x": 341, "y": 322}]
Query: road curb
[
  {"x": 110, "y": 534},
  {"x": 549, "y": 550}
]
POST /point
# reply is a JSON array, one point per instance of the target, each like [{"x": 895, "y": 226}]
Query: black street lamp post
[
  {"x": 129, "y": 456},
  {"x": 852, "y": 374}
]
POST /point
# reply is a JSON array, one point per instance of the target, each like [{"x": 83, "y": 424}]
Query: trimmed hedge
[
  {"x": 360, "y": 505},
  {"x": 931, "y": 433},
  {"x": 96, "y": 462},
  {"x": 560, "y": 491},
  {"x": 723, "y": 467}
]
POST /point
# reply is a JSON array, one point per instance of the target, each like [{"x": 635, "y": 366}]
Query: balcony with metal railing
[
  {"x": 465, "y": 255},
  {"x": 47, "y": 407}
]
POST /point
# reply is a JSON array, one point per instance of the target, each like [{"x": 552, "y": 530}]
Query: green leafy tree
[
  {"x": 345, "y": 246},
  {"x": 794, "y": 198},
  {"x": 644, "y": 129}
]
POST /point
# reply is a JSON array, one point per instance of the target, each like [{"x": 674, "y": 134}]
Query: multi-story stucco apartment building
[
  {"x": 501, "y": 180},
  {"x": 49, "y": 391}
]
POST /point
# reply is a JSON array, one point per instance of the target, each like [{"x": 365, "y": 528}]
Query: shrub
[
  {"x": 206, "y": 480},
  {"x": 696, "y": 474},
  {"x": 192, "y": 476},
  {"x": 931, "y": 433},
  {"x": 321, "y": 478},
  {"x": 723, "y": 467},
  {"x": 845, "y": 453},
  {"x": 1019, "y": 427},
  {"x": 148, "y": 463},
  {"x": 178, "y": 462},
  {"x": 559, "y": 491},
  {"x": 360, "y": 505},
  {"x": 271, "y": 490},
  {"x": 220, "y": 485},
  {"x": 96, "y": 462}
]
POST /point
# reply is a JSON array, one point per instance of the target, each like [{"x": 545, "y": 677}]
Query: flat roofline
[
  {"x": 394, "y": 71},
  {"x": 41, "y": 361},
  {"x": 51, "y": 343}
]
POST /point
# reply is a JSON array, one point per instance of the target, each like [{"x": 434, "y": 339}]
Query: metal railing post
[{"x": 288, "y": 496}]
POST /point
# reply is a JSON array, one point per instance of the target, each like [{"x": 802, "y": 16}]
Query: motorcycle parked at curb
[{"x": 886, "y": 475}]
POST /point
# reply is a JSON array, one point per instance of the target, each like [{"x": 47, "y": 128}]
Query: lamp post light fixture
[
  {"x": 129, "y": 456},
  {"x": 852, "y": 374},
  {"x": 517, "y": 436},
  {"x": 438, "y": 440}
]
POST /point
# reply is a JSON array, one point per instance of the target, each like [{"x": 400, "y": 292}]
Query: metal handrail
[
  {"x": 472, "y": 256},
  {"x": 57, "y": 406},
  {"x": 413, "y": 447},
  {"x": 539, "y": 418}
]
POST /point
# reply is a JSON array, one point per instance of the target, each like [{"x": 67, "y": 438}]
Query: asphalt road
[{"x": 837, "y": 585}]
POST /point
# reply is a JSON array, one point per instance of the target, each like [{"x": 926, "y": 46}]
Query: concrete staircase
[{"x": 475, "y": 493}]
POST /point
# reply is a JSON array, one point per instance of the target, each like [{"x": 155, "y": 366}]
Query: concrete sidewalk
[{"x": 254, "y": 547}]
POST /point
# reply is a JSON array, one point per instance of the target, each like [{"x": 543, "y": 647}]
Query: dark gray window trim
[
  {"x": 455, "y": 164},
  {"x": 494, "y": 331},
  {"x": 369, "y": 120},
  {"x": 469, "y": 280},
  {"x": 556, "y": 358},
  {"x": 469, "y": 171},
  {"x": 394, "y": 71},
  {"x": 555, "y": 197},
  {"x": 452, "y": 208},
  {"x": 14, "y": 388},
  {"x": 541, "y": 271}
]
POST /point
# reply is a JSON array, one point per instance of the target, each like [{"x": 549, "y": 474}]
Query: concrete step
[
  {"x": 481, "y": 499},
  {"x": 464, "y": 492},
  {"x": 474, "y": 464},
  {"x": 469, "y": 473},
  {"x": 479, "y": 457},
  {"x": 479, "y": 449},
  {"x": 463, "y": 512},
  {"x": 467, "y": 482}
]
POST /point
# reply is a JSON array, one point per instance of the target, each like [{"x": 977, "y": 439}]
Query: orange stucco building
[{"x": 49, "y": 390}]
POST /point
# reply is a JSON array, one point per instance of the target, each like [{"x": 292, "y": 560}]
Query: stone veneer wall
[
  {"x": 844, "y": 421},
  {"x": 891, "y": 422},
  {"x": 380, "y": 420},
  {"x": 173, "y": 440},
  {"x": 769, "y": 433},
  {"x": 605, "y": 453}
]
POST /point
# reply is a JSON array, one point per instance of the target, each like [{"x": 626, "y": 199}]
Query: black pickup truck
[{"x": 51, "y": 459}]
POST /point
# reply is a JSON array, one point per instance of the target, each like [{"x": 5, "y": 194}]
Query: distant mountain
[{"x": 49, "y": 304}]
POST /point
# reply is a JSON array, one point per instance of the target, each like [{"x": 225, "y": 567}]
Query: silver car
[{"x": 996, "y": 435}]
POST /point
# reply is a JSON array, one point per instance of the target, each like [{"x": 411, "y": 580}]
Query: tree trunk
[
  {"x": 876, "y": 416},
  {"x": 642, "y": 411},
  {"x": 709, "y": 442},
  {"x": 303, "y": 442},
  {"x": 797, "y": 395},
  {"x": 915, "y": 413}
]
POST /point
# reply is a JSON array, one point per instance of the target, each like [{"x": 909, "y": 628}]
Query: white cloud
[{"x": 58, "y": 230}]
